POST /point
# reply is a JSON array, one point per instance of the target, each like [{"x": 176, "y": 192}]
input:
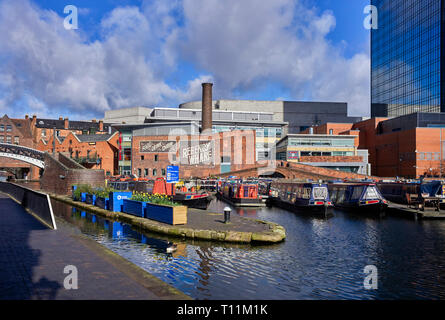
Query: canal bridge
[
  {"x": 25, "y": 154},
  {"x": 292, "y": 170}
]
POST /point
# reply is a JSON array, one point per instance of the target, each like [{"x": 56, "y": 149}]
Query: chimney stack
[
  {"x": 66, "y": 123},
  {"x": 101, "y": 125},
  {"x": 206, "y": 107}
]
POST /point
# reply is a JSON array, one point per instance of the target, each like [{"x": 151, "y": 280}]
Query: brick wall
[
  {"x": 232, "y": 144},
  {"x": 332, "y": 159},
  {"x": 58, "y": 178}
]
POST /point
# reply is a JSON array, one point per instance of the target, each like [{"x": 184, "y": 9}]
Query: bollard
[{"x": 227, "y": 211}]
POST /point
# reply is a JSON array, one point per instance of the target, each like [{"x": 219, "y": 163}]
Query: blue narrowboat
[
  {"x": 301, "y": 197},
  {"x": 360, "y": 197}
]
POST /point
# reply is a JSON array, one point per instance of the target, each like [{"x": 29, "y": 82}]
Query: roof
[
  {"x": 93, "y": 137},
  {"x": 72, "y": 125}
]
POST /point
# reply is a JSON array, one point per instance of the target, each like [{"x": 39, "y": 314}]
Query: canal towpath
[{"x": 35, "y": 262}]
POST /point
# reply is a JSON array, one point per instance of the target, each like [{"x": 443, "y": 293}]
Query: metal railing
[{"x": 39, "y": 204}]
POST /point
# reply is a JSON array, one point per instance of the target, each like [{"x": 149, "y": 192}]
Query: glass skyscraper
[{"x": 406, "y": 57}]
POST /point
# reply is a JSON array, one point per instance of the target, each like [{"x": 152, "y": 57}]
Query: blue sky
[{"x": 157, "y": 52}]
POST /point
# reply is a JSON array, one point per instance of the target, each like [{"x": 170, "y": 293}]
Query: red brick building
[
  {"x": 96, "y": 151},
  {"x": 409, "y": 146},
  {"x": 17, "y": 131},
  {"x": 196, "y": 155}
]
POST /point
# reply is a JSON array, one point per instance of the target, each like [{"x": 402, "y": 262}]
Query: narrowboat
[
  {"x": 360, "y": 197},
  {"x": 240, "y": 194},
  {"x": 301, "y": 197},
  {"x": 426, "y": 193}
]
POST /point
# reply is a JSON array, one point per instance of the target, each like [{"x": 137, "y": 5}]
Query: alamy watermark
[
  {"x": 71, "y": 21},
  {"x": 371, "y": 279},
  {"x": 372, "y": 19},
  {"x": 71, "y": 280}
]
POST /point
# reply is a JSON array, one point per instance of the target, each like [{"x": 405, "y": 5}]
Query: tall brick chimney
[
  {"x": 66, "y": 123},
  {"x": 206, "y": 106},
  {"x": 101, "y": 125}
]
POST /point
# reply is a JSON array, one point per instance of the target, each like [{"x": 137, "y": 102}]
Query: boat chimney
[{"x": 206, "y": 123}]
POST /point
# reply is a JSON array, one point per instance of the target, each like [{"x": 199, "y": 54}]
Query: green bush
[
  {"x": 161, "y": 199},
  {"x": 103, "y": 192},
  {"x": 81, "y": 188}
]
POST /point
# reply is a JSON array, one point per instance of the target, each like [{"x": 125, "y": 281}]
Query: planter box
[
  {"x": 117, "y": 200},
  {"x": 102, "y": 203},
  {"x": 90, "y": 199},
  {"x": 166, "y": 214},
  {"x": 134, "y": 207}
]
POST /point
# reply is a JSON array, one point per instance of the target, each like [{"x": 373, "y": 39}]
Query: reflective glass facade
[{"x": 405, "y": 57}]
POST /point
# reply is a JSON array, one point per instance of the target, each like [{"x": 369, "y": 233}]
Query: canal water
[{"x": 320, "y": 259}]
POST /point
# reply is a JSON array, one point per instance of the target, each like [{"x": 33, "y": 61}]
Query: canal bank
[
  {"x": 35, "y": 260},
  {"x": 201, "y": 225}
]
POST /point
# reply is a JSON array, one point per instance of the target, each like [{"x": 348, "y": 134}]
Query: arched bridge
[
  {"x": 290, "y": 170},
  {"x": 28, "y": 155}
]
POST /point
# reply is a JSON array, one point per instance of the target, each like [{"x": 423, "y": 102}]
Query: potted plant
[
  {"x": 135, "y": 205},
  {"x": 162, "y": 208},
  {"x": 80, "y": 191},
  {"x": 102, "y": 197}
]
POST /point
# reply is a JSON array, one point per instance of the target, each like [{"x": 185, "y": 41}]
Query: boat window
[
  {"x": 357, "y": 193},
  {"x": 371, "y": 193},
  {"x": 306, "y": 193},
  {"x": 341, "y": 196},
  {"x": 320, "y": 193}
]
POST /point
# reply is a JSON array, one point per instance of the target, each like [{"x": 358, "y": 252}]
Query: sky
[{"x": 156, "y": 53}]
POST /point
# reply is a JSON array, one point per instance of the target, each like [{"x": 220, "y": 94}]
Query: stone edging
[{"x": 275, "y": 234}]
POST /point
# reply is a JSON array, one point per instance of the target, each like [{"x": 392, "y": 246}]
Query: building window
[
  {"x": 2, "y": 127},
  {"x": 43, "y": 132},
  {"x": 146, "y": 172},
  {"x": 155, "y": 172},
  {"x": 156, "y": 158},
  {"x": 8, "y": 139},
  {"x": 163, "y": 172},
  {"x": 139, "y": 172},
  {"x": 2, "y": 138},
  {"x": 8, "y": 128},
  {"x": 16, "y": 140},
  {"x": 142, "y": 157}
]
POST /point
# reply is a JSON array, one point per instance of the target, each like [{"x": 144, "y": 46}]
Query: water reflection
[{"x": 320, "y": 259}]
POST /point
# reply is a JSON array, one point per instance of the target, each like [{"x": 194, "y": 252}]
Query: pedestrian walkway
[{"x": 33, "y": 258}]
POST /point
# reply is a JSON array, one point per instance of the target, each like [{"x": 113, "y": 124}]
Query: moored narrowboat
[
  {"x": 426, "y": 193},
  {"x": 240, "y": 194},
  {"x": 301, "y": 197},
  {"x": 360, "y": 197}
]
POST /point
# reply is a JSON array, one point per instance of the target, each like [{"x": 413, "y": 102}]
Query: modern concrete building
[
  {"x": 300, "y": 115},
  {"x": 407, "y": 65},
  {"x": 330, "y": 151},
  {"x": 127, "y": 115}
]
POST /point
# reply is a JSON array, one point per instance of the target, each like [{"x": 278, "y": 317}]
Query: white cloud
[{"x": 240, "y": 44}]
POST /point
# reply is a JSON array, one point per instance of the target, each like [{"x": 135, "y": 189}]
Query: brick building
[
  {"x": 156, "y": 146},
  {"x": 332, "y": 151},
  {"x": 93, "y": 151},
  {"x": 44, "y": 128},
  {"x": 17, "y": 131},
  {"x": 408, "y": 146}
]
